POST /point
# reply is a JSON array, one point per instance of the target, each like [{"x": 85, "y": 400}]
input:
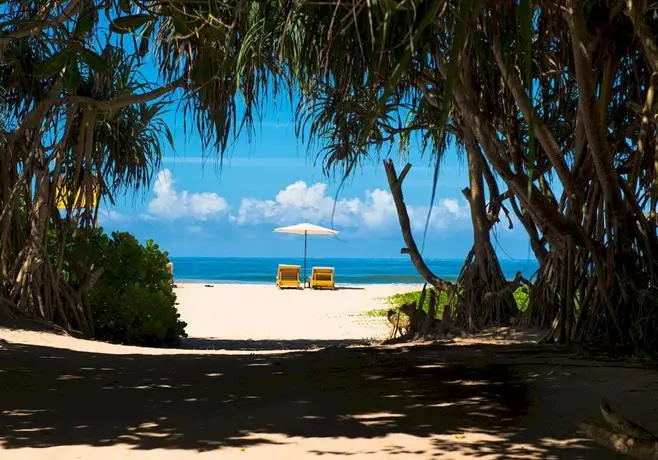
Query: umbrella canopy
[{"x": 306, "y": 229}]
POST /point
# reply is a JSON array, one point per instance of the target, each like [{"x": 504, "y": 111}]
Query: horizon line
[{"x": 342, "y": 258}]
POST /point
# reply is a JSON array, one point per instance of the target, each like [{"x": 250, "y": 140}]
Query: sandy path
[
  {"x": 263, "y": 312},
  {"x": 63, "y": 398}
]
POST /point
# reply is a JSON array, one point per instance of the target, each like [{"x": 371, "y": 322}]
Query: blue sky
[{"x": 194, "y": 208}]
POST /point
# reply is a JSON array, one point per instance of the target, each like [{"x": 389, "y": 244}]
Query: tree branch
[
  {"x": 589, "y": 110},
  {"x": 643, "y": 34},
  {"x": 539, "y": 127},
  {"x": 395, "y": 184},
  {"x": 59, "y": 20},
  {"x": 531, "y": 229},
  {"x": 404, "y": 173},
  {"x": 519, "y": 183},
  {"x": 123, "y": 101}
]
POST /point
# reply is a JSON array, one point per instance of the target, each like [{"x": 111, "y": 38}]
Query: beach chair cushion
[
  {"x": 322, "y": 277},
  {"x": 288, "y": 276}
]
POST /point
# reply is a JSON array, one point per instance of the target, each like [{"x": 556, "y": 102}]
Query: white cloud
[
  {"x": 378, "y": 208},
  {"x": 302, "y": 202},
  {"x": 172, "y": 204},
  {"x": 297, "y": 201},
  {"x": 451, "y": 205}
]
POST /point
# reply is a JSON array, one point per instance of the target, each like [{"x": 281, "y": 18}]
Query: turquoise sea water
[{"x": 348, "y": 271}]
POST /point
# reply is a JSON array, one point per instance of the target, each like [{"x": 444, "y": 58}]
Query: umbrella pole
[{"x": 305, "y": 238}]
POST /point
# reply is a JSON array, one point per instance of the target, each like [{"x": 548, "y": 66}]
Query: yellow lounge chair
[
  {"x": 322, "y": 277},
  {"x": 288, "y": 276}
]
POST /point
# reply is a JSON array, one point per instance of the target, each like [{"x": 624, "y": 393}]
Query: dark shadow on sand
[{"x": 58, "y": 397}]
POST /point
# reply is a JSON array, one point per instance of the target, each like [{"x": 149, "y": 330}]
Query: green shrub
[
  {"x": 397, "y": 300},
  {"x": 521, "y": 296},
  {"x": 377, "y": 312},
  {"x": 133, "y": 301}
]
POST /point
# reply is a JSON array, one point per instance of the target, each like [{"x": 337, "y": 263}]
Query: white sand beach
[
  {"x": 242, "y": 389},
  {"x": 264, "y": 312}
]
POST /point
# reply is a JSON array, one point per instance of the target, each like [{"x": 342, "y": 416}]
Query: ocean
[{"x": 348, "y": 271}]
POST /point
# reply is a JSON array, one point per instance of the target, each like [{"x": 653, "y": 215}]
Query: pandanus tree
[
  {"x": 77, "y": 122},
  {"x": 575, "y": 96},
  {"x": 63, "y": 144},
  {"x": 83, "y": 86}
]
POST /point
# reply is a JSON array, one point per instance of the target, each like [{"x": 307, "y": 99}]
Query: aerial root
[{"x": 621, "y": 435}]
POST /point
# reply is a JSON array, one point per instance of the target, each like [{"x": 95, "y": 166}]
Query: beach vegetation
[
  {"x": 376, "y": 312},
  {"x": 131, "y": 298},
  {"x": 521, "y": 295},
  {"x": 133, "y": 301}
]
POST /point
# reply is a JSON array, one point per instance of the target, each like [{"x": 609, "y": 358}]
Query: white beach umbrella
[{"x": 306, "y": 229}]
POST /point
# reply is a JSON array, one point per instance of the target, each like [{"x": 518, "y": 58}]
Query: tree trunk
[{"x": 487, "y": 277}]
